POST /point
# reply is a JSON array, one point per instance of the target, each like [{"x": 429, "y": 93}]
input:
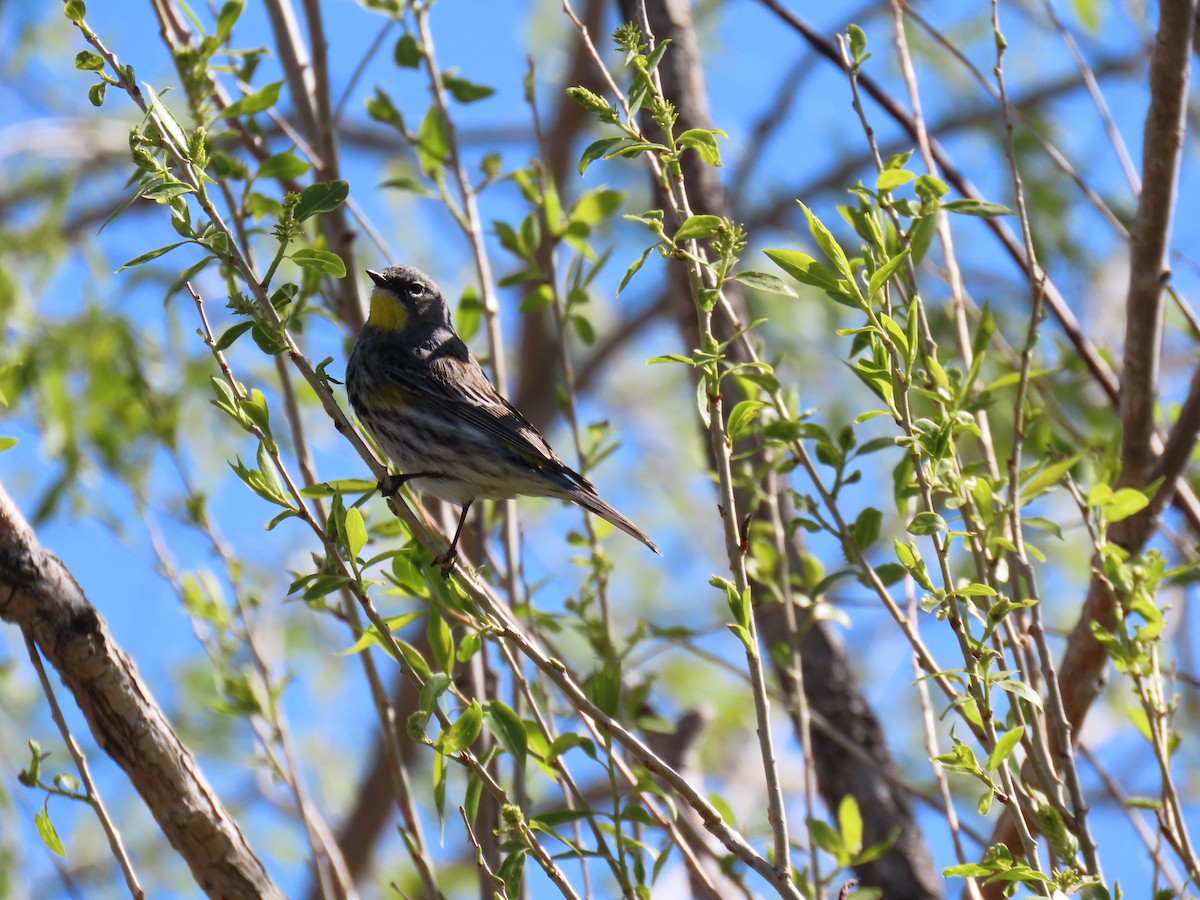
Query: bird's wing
[{"x": 475, "y": 401}]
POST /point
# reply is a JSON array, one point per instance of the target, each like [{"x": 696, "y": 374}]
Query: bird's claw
[
  {"x": 389, "y": 485},
  {"x": 445, "y": 561}
]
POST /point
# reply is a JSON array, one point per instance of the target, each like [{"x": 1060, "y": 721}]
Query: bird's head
[{"x": 406, "y": 298}]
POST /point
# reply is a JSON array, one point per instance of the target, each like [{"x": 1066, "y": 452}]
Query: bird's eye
[{"x": 416, "y": 290}]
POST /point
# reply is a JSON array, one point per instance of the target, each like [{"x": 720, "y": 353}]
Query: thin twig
[
  {"x": 94, "y": 800},
  {"x": 1037, "y": 283}
]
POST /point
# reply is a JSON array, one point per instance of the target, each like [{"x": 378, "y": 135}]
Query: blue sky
[{"x": 746, "y": 53}]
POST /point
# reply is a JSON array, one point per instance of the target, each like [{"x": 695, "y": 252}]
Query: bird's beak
[{"x": 376, "y": 277}]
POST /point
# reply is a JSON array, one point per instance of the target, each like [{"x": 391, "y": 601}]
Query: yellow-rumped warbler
[{"x": 420, "y": 393}]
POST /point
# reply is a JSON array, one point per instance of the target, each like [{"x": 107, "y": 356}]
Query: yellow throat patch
[{"x": 387, "y": 312}]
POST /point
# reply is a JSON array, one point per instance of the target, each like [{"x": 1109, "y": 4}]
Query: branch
[
  {"x": 1150, "y": 236},
  {"x": 1083, "y": 672},
  {"x": 1100, "y": 369},
  {"x": 38, "y": 594},
  {"x": 823, "y": 666},
  {"x": 1184, "y": 500}
]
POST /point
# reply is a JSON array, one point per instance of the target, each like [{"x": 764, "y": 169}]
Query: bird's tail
[{"x": 590, "y": 501}]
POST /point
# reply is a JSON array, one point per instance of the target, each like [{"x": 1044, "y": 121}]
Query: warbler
[{"x": 421, "y": 394}]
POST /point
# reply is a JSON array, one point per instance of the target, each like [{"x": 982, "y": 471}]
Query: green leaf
[
  {"x": 1047, "y": 478},
  {"x": 1004, "y": 746},
  {"x": 404, "y": 183},
  {"x": 441, "y": 640},
  {"x": 229, "y": 14},
  {"x": 382, "y": 109},
  {"x": 45, "y": 828},
  {"x": 584, "y": 329},
  {"x": 164, "y": 116},
  {"x": 321, "y": 198},
  {"x": 567, "y": 741},
  {"x": 695, "y": 227},
  {"x": 371, "y": 634},
  {"x": 598, "y": 150},
  {"x": 469, "y": 314},
  {"x": 850, "y": 824},
  {"x": 603, "y": 687},
  {"x": 926, "y": 523},
  {"x": 704, "y": 142},
  {"x": 804, "y": 269},
  {"x": 86, "y": 61},
  {"x": 1125, "y": 503},
  {"x": 506, "y": 725},
  {"x": 977, "y": 208},
  {"x": 865, "y": 529},
  {"x": 407, "y": 53},
  {"x": 325, "y": 262},
  {"x": 225, "y": 341},
  {"x": 512, "y": 873},
  {"x": 596, "y": 206},
  {"x": 466, "y": 91},
  {"x": 930, "y": 187},
  {"x": 96, "y": 93},
  {"x": 153, "y": 254},
  {"x": 744, "y": 636},
  {"x": 632, "y": 270},
  {"x": 858, "y": 43},
  {"x": 163, "y": 191},
  {"x": 975, "y": 590},
  {"x": 7, "y": 443},
  {"x": 1020, "y": 689},
  {"x": 910, "y": 558},
  {"x": 356, "y": 531},
  {"x": 75, "y": 10},
  {"x": 826, "y": 838},
  {"x": 435, "y": 685},
  {"x": 256, "y": 410},
  {"x": 432, "y": 145},
  {"x": 741, "y": 417},
  {"x": 282, "y": 165},
  {"x": 890, "y": 179},
  {"x": 541, "y": 297},
  {"x": 920, "y": 236},
  {"x": 967, "y": 870},
  {"x": 828, "y": 244},
  {"x": 884, "y": 272},
  {"x": 763, "y": 281},
  {"x": 340, "y": 486},
  {"x": 656, "y": 55},
  {"x": 261, "y": 99},
  {"x": 463, "y": 732}
]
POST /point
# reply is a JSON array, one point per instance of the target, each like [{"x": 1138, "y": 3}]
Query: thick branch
[
  {"x": 1149, "y": 238},
  {"x": 40, "y": 595}
]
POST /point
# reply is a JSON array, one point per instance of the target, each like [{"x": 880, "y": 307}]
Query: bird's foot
[
  {"x": 445, "y": 561},
  {"x": 390, "y": 484}
]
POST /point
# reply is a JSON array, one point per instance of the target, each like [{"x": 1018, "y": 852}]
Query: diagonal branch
[
  {"x": 1185, "y": 499},
  {"x": 38, "y": 594}
]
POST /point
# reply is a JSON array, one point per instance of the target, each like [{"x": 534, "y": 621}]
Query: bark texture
[{"x": 39, "y": 595}]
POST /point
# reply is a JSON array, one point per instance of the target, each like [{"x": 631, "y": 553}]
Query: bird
[{"x": 421, "y": 394}]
